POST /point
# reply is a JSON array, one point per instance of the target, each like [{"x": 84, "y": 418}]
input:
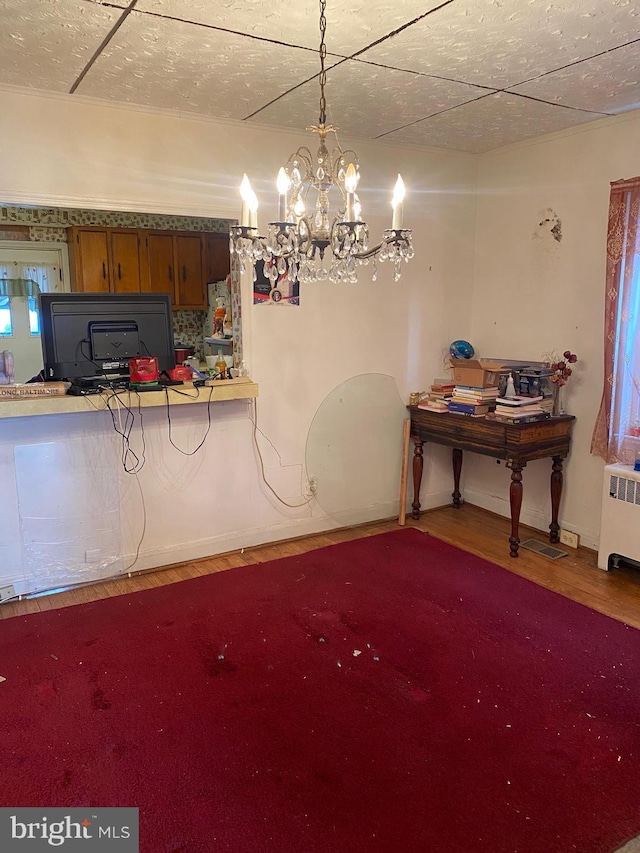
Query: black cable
[
  {"x": 131, "y": 462},
  {"x": 99, "y": 367},
  {"x": 190, "y": 397}
]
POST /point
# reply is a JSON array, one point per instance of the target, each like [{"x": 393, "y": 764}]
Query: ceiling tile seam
[
  {"x": 105, "y": 41},
  {"x": 400, "y": 29},
  {"x": 282, "y": 43},
  {"x": 572, "y": 64},
  {"x": 433, "y": 115},
  {"x": 494, "y": 88},
  {"x": 105, "y": 3},
  {"x": 481, "y": 98},
  {"x": 251, "y": 36},
  {"x": 554, "y": 104},
  {"x": 288, "y": 92},
  {"x": 355, "y": 56},
  {"x": 423, "y": 74},
  {"x": 487, "y": 89}
]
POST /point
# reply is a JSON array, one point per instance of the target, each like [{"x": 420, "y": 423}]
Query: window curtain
[
  {"x": 617, "y": 430},
  {"x": 45, "y": 276}
]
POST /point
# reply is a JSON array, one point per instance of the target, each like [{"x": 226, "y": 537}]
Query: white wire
[{"x": 256, "y": 429}]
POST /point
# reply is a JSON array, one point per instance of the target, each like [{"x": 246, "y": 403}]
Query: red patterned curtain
[{"x": 616, "y": 434}]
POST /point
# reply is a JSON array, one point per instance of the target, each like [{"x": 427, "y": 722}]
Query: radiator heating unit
[{"x": 620, "y": 523}]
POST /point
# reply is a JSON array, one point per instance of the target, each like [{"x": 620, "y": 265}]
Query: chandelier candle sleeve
[
  {"x": 282, "y": 184},
  {"x": 245, "y": 191},
  {"x": 396, "y": 203},
  {"x": 253, "y": 211},
  {"x": 350, "y": 184}
]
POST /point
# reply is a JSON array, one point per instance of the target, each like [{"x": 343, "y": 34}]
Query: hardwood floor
[{"x": 576, "y": 576}]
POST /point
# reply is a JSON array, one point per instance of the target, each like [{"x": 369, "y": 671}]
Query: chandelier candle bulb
[
  {"x": 245, "y": 194},
  {"x": 396, "y": 203},
  {"x": 350, "y": 184}
]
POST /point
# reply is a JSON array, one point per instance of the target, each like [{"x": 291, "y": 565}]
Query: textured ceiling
[{"x": 467, "y": 75}]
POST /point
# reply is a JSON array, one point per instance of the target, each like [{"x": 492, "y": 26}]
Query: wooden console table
[{"x": 517, "y": 444}]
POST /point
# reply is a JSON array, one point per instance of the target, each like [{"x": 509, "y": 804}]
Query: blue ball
[{"x": 461, "y": 349}]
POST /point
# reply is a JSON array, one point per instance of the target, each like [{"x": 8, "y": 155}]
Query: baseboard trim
[{"x": 532, "y": 518}]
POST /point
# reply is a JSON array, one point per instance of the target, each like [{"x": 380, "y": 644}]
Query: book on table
[
  {"x": 468, "y": 408},
  {"x": 517, "y": 414},
  {"x": 524, "y": 419},
  {"x": 518, "y": 401},
  {"x": 474, "y": 395},
  {"x": 491, "y": 391},
  {"x": 433, "y": 406}
]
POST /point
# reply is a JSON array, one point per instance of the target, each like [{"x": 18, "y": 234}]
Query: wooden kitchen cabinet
[
  {"x": 89, "y": 259},
  {"x": 161, "y": 264},
  {"x": 176, "y": 266},
  {"x": 125, "y": 261},
  {"x": 217, "y": 257},
  {"x": 130, "y": 260},
  {"x": 190, "y": 285},
  {"x": 105, "y": 260}
]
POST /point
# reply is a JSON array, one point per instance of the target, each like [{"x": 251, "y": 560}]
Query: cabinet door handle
[
  {"x": 119, "y": 271},
  {"x": 184, "y": 273},
  {"x": 104, "y": 270},
  {"x": 170, "y": 274}
]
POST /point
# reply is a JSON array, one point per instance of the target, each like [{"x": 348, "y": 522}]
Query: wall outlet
[
  {"x": 311, "y": 487},
  {"x": 7, "y": 592},
  {"x": 569, "y": 538},
  {"x": 93, "y": 556}
]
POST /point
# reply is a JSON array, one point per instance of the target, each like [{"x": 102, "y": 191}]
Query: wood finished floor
[{"x": 576, "y": 576}]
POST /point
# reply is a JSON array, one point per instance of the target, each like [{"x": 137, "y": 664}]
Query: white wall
[
  {"x": 532, "y": 293},
  {"x": 87, "y": 154}
]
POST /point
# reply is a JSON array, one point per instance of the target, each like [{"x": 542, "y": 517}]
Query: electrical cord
[
  {"x": 190, "y": 397},
  {"x": 131, "y": 462},
  {"x": 256, "y": 429},
  {"x": 144, "y": 525},
  {"x": 99, "y": 367}
]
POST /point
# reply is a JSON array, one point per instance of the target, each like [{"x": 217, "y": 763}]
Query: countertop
[{"x": 222, "y": 390}]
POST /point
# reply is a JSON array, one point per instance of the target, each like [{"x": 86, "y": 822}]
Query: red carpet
[{"x": 387, "y": 694}]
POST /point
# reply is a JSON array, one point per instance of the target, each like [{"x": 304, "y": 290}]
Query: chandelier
[{"x": 300, "y": 241}]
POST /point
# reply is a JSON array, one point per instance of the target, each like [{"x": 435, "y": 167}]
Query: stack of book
[
  {"x": 440, "y": 394},
  {"x": 520, "y": 410},
  {"x": 472, "y": 401}
]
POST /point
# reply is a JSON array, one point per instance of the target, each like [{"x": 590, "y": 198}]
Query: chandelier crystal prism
[{"x": 301, "y": 240}]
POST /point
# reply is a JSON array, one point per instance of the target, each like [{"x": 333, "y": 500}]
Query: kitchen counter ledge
[{"x": 223, "y": 390}]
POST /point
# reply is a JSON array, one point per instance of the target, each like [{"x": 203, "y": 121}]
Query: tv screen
[{"x": 95, "y": 334}]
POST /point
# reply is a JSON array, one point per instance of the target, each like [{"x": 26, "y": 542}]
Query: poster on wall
[{"x": 281, "y": 292}]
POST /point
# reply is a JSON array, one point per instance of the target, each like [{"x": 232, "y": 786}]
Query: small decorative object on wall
[
  {"x": 562, "y": 370},
  {"x": 270, "y": 287}
]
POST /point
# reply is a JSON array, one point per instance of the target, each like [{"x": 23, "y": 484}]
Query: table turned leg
[
  {"x": 417, "y": 477},
  {"x": 515, "y": 499},
  {"x": 456, "y": 458},
  {"x": 556, "y": 493}
]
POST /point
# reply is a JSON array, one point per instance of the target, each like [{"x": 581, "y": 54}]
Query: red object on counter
[
  {"x": 183, "y": 353},
  {"x": 144, "y": 369},
  {"x": 180, "y": 374}
]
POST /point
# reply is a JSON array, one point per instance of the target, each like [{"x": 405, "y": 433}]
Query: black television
[{"x": 86, "y": 335}]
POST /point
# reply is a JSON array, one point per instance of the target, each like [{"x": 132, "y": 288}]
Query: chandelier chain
[{"x": 323, "y": 54}]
